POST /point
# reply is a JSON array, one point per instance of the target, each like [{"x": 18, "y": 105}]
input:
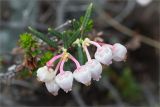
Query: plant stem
[
  {"x": 87, "y": 53},
  {"x": 61, "y": 66},
  {"x": 58, "y": 65},
  {"x": 50, "y": 62},
  {"x": 75, "y": 61},
  {"x": 94, "y": 43}
]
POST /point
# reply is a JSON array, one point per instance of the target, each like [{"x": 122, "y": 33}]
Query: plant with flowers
[{"x": 55, "y": 77}]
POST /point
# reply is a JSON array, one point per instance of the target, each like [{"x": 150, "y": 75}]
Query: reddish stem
[
  {"x": 75, "y": 61},
  {"x": 51, "y": 61}
]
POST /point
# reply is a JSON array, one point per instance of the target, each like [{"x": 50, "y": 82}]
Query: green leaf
[
  {"x": 74, "y": 37},
  {"x": 76, "y": 24},
  {"x": 26, "y": 41},
  {"x": 35, "y": 52},
  {"x": 81, "y": 56},
  {"x": 89, "y": 25},
  {"x": 45, "y": 57},
  {"x": 43, "y": 37},
  {"x": 87, "y": 17},
  {"x": 65, "y": 41},
  {"x": 130, "y": 88},
  {"x": 55, "y": 33}
]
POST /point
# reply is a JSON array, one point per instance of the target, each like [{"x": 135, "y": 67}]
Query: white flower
[
  {"x": 95, "y": 68},
  {"x": 65, "y": 80},
  {"x": 52, "y": 87},
  {"x": 104, "y": 55},
  {"x": 83, "y": 75},
  {"x": 119, "y": 52},
  {"x": 45, "y": 74}
]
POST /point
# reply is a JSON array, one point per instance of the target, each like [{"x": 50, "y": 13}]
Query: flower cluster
[{"x": 92, "y": 69}]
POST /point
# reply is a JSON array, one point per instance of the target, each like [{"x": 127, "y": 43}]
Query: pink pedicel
[
  {"x": 94, "y": 43},
  {"x": 87, "y": 53},
  {"x": 75, "y": 61},
  {"x": 51, "y": 61},
  {"x": 61, "y": 66}
]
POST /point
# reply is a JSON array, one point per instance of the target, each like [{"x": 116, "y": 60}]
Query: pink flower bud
[
  {"x": 65, "y": 80},
  {"x": 52, "y": 87},
  {"x": 45, "y": 74},
  {"x": 119, "y": 52},
  {"x": 83, "y": 75},
  {"x": 104, "y": 55},
  {"x": 95, "y": 68}
]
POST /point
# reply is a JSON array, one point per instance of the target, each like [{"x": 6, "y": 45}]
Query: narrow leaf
[
  {"x": 54, "y": 33},
  {"x": 81, "y": 56},
  {"x": 87, "y": 16},
  {"x": 74, "y": 37},
  {"x": 42, "y": 37}
]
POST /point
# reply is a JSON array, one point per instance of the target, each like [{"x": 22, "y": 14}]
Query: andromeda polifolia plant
[{"x": 57, "y": 70}]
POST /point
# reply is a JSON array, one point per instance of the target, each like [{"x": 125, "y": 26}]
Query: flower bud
[
  {"x": 119, "y": 52},
  {"x": 95, "y": 68},
  {"x": 83, "y": 75},
  {"x": 52, "y": 87},
  {"x": 65, "y": 80},
  {"x": 45, "y": 74},
  {"x": 104, "y": 55}
]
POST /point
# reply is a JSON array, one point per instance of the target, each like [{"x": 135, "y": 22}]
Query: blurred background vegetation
[{"x": 134, "y": 23}]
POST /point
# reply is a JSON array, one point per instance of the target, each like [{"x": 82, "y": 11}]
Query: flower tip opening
[
  {"x": 88, "y": 83},
  {"x": 55, "y": 94}
]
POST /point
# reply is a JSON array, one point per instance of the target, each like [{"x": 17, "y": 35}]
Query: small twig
[
  {"x": 22, "y": 25},
  {"x": 11, "y": 72},
  {"x": 61, "y": 11},
  {"x": 106, "y": 84},
  {"x": 148, "y": 95},
  {"x": 63, "y": 25},
  {"x": 19, "y": 83},
  {"x": 28, "y": 11},
  {"x": 8, "y": 102},
  {"x": 75, "y": 8},
  {"x": 109, "y": 20},
  {"x": 77, "y": 96}
]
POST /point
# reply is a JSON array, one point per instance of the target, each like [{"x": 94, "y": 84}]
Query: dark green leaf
[
  {"x": 55, "y": 33},
  {"x": 87, "y": 17},
  {"x": 76, "y": 24},
  {"x": 26, "y": 41},
  {"x": 45, "y": 57},
  {"x": 81, "y": 56},
  {"x": 74, "y": 37},
  {"x": 43, "y": 37}
]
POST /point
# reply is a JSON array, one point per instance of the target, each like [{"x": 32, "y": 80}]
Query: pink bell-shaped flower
[
  {"x": 45, "y": 74},
  {"x": 83, "y": 75},
  {"x": 119, "y": 52},
  {"x": 52, "y": 87},
  {"x": 65, "y": 80},
  {"x": 95, "y": 68},
  {"x": 104, "y": 55}
]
